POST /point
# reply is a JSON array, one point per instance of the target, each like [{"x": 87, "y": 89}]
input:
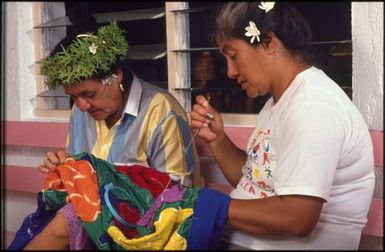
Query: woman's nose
[
  {"x": 232, "y": 71},
  {"x": 83, "y": 104}
]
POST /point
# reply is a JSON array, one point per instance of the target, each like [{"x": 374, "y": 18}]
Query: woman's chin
[
  {"x": 98, "y": 116},
  {"x": 252, "y": 94}
]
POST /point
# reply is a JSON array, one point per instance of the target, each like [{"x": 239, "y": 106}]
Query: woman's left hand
[{"x": 206, "y": 120}]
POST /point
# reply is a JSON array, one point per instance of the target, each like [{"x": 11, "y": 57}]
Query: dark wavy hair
[{"x": 288, "y": 25}]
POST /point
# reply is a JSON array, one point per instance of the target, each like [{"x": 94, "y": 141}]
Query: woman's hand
[
  {"x": 206, "y": 120},
  {"x": 54, "y": 158}
]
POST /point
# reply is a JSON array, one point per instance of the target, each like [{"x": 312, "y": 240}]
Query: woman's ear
[
  {"x": 270, "y": 43},
  {"x": 119, "y": 75}
]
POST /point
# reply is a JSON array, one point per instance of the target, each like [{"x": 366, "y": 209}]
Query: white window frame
[
  {"x": 179, "y": 69},
  {"x": 46, "y": 40}
]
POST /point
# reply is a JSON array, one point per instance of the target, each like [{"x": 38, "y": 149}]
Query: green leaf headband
[{"x": 87, "y": 56}]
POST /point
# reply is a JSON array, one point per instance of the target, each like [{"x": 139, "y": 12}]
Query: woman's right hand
[
  {"x": 209, "y": 129},
  {"x": 54, "y": 159}
]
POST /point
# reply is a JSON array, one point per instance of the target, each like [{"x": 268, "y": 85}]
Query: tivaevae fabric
[{"x": 135, "y": 207}]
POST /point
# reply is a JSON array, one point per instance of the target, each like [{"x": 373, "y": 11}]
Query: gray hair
[{"x": 227, "y": 18}]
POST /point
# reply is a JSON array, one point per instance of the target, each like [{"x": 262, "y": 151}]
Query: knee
[
  {"x": 54, "y": 236},
  {"x": 58, "y": 227}
]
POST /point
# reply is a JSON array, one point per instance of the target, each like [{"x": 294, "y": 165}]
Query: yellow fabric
[
  {"x": 164, "y": 237},
  {"x": 160, "y": 107},
  {"x": 104, "y": 138},
  {"x": 176, "y": 242},
  {"x": 173, "y": 150}
]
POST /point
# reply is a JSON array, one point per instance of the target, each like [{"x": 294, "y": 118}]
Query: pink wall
[
  {"x": 378, "y": 147},
  {"x": 42, "y": 134}
]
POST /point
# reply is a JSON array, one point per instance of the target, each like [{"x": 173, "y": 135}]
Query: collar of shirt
[{"x": 133, "y": 101}]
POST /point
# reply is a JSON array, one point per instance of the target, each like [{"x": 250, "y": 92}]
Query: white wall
[
  {"x": 19, "y": 61},
  {"x": 20, "y": 91},
  {"x": 368, "y": 61},
  {"x": 368, "y": 78}
]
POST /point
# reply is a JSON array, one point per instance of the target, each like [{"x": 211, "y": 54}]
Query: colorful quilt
[{"x": 129, "y": 207}]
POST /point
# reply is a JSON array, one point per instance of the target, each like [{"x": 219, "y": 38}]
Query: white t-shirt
[{"x": 313, "y": 142}]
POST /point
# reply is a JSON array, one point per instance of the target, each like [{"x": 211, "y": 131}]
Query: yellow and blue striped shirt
[{"x": 153, "y": 130}]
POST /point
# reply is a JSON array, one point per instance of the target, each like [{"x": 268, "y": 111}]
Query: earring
[{"x": 121, "y": 87}]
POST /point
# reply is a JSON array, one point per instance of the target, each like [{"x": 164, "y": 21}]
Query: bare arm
[
  {"x": 277, "y": 215},
  {"x": 229, "y": 157}
]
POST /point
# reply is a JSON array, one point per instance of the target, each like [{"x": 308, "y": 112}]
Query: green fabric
[
  {"x": 106, "y": 173},
  {"x": 54, "y": 200},
  {"x": 140, "y": 198}
]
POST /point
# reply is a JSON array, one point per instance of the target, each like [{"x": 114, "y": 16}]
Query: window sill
[
  {"x": 230, "y": 119},
  {"x": 239, "y": 120},
  {"x": 52, "y": 115}
]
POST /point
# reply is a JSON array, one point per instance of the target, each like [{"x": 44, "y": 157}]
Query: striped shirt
[{"x": 153, "y": 131}]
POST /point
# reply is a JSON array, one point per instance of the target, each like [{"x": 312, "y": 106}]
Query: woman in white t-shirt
[{"x": 306, "y": 178}]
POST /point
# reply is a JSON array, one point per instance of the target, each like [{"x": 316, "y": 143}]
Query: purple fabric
[
  {"x": 78, "y": 237},
  {"x": 173, "y": 194}
]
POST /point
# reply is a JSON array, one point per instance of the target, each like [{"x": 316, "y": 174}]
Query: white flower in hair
[
  {"x": 93, "y": 48},
  {"x": 252, "y": 31},
  {"x": 266, "y": 6}
]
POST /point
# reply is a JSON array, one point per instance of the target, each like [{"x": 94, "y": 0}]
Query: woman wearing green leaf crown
[{"x": 116, "y": 116}]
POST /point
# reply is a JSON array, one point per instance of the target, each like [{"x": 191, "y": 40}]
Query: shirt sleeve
[
  {"x": 167, "y": 144},
  {"x": 309, "y": 144}
]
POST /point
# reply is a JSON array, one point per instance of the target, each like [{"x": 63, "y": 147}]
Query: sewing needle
[
  {"x": 192, "y": 139},
  {"x": 209, "y": 116}
]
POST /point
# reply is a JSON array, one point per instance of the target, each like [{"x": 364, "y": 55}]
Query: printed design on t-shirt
[
  {"x": 248, "y": 186},
  {"x": 257, "y": 170}
]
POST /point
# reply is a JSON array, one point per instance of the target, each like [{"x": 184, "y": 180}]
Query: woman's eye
[{"x": 89, "y": 95}]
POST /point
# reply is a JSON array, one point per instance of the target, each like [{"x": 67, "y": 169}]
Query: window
[
  {"x": 331, "y": 25},
  {"x": 146, "y": 35},
  {"x": 171, "y": 46},
  {"x": 331, "y": 44}
]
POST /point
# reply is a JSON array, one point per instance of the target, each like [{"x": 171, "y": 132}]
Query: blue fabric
[
  {"x": 32, "y": 225},
  {"x": 120, "y": 138},
  {"x": 209, "y": 219}
]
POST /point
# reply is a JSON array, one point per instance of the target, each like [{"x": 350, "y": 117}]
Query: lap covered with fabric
[{"x": 132, "y": 207}]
